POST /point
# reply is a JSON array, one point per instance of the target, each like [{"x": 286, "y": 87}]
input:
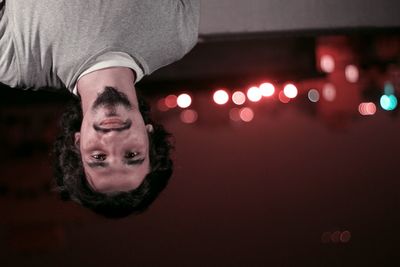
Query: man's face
[{"x": 114, "y": 144}]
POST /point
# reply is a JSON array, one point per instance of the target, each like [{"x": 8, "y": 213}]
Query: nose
[{"x": 113, "y": 136}]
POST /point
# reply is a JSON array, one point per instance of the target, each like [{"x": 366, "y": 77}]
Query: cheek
[{"x": 88, "y": 139}]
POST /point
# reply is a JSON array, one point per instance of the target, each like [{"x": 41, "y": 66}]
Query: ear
[
  {"x": 149, "y": 128},
  {"x": 77, "y": 139}
]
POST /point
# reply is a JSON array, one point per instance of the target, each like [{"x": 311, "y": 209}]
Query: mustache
[
  {"x": 125, "y": 126},
  {"x": 111, "y": 97}
]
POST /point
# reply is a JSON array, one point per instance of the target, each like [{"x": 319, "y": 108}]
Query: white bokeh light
[
  {"x": 313, "y": 95},
  {"x": 290, "y": 90},
  {"x": 221, "y": 97},
  {"x": 267, "y": 89},
  {"x": 184, "y": 100},
  {"x": 351, "y": 73},
  {"x": 327, "y": 63},
  {"x": 329, "y": 92},
  {"x": 254, "y": 94},
  {"x": 238, "y": 98}
]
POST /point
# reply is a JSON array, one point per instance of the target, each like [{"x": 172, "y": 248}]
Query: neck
[{"x": 92, "y": 84}]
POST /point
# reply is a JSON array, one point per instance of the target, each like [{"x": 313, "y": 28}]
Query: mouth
[{"x": 111, "y": 123}]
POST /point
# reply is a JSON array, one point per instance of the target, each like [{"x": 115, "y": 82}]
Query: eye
[
  {"x": 131, "y": 155},
  {"x": 99, "y": 157}
]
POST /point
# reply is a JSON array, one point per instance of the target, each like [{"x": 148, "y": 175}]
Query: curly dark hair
[{"x": 73, "y": 185}]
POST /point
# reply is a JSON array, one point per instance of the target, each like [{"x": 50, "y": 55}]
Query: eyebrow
[{"x": 94, "y": 164}]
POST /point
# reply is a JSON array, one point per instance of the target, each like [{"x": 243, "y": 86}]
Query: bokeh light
[
  {"x": 290, "y": 90},
  {"x": 221, "y": 97},
  {"x": 254, "y": 94},
  {"x": 345, "y": 236},
  {"x": 267, "y": 89},
  {"x": 238, "y": 98},
  {"x": 313, "y": 95},
  {"x": 351, "y": 72},
  {"x": 171, "y": 101},
  {"x": 335, "y": 237},
  {"x": 189, "y": 116},
  {"x": 184, "y": 100},
  {"x": 327, "y": 63},
  {"x": 367, "y": 108},
  {"x": 234, "y": 114},
  {"x": 388, "y": 102},
  {"x": 161, "y": 106},
  {"x": 283, "y": 98},
  {"x": 329, "y": 92},
  {"x": 246, "y": 114},
  {"x": 389, "y": 88}
]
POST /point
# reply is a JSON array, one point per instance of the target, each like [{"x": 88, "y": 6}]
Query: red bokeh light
[
  {"x": 246, "y": 114},
  {"x": 234, "y": 114},
  {"x": 283, "y": 98},
  {"x": 367, "y": 108},
  {"x": 171, "y": 101},
  {"x": 345, "y": 236},
  {"x": 189, "y": 116},
  {"x": 161, "y": 105}
]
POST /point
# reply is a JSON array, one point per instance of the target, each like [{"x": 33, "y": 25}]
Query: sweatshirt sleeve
[{"x": 190, "y": 24}]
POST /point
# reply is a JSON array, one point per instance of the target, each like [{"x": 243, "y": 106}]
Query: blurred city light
[
  {"x": 367, "y": 108},
  {"x": 184, "y": 100},
  {"x": 171, "y": 101},
  {"x": 313, "y": 95},
  {"x": 388, "y": 102},
  {"x": 329, "y": 92},
  {"x": 238, "y": 98},
  {"x": 254, "y": 94},
  {"x": 389, "y": 88},
  {"x": 335, "y": 237},
  {"x": 267, "y": 89},
  {"x": 345, "y": 236},
  {"x": 161, "y": 105},
  {"x": 351, "y": 73},
  {"x": 290, "y": 90},
  {"x": 327, "y": 63},
  {"x": 221, "y": 97},
  {"x": 189, "y": 116},
  {"x": 234, "y": 114},
  {"x": 283, "y": 98},
  {"x": 246, "y": 114}
]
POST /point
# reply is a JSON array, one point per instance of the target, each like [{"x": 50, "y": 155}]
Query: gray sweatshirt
[{"x": 50, "y": 42}]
